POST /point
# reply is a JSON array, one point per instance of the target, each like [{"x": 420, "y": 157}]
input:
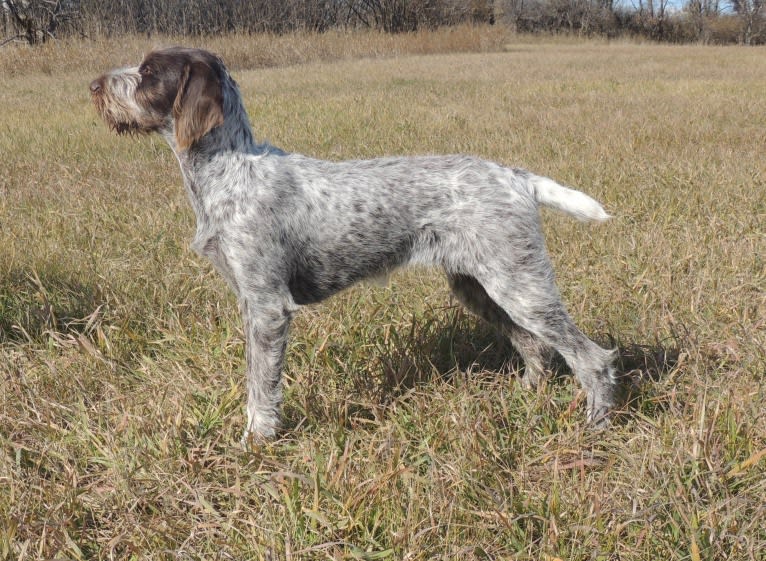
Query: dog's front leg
[{"x": 266, "y": 324}]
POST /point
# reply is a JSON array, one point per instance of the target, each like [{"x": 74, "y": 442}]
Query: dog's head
[{"x": 174, "y": 90}]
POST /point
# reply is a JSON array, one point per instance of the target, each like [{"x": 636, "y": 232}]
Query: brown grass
[
  {"x": 248, "y": 51},
  {"x": 406, "y": 434}
]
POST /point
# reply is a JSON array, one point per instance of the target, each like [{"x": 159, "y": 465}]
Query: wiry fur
[{"x": 287, "y": 230}]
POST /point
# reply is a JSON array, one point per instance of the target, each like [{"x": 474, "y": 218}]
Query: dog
[{"x": 286, "y": 230}]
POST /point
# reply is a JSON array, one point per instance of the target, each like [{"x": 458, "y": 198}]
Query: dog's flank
[{"x": 287, "y": 230}]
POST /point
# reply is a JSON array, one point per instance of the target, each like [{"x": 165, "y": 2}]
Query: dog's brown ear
[{"x": 198, "y": 107}]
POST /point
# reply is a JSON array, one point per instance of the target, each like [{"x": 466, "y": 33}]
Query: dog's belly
[{"x": 319, "y": 272}]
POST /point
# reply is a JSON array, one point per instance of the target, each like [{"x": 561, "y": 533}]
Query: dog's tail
[{"x": 549, "y": 193}]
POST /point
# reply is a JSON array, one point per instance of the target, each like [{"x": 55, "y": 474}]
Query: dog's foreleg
[{"x": 266, "y": 325}]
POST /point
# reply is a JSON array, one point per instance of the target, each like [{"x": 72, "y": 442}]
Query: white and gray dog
[{"x": 287, "y": 230}]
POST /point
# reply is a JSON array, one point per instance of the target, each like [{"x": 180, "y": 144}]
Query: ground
[{"x": 407, "y": 435}]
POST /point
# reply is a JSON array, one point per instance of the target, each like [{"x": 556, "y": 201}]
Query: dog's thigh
[{"x": 536, "y": 354}]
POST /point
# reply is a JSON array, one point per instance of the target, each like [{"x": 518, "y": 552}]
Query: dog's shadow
[
  {"x": 471, "y": 345},
  {"x": 450, "y": 342},
  {"x": 642, "y": 369}
]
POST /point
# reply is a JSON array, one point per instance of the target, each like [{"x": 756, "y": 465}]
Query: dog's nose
[{"x": 95, "y": 86}]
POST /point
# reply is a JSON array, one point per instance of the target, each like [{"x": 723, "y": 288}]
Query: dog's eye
[{"x": 144, "y": 70}]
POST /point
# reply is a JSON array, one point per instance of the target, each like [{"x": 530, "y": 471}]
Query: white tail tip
[{"x": 575, "y": 203}]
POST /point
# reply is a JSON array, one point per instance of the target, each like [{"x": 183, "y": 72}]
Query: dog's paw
[
  {"x": 261, "y": 429},
  {"x": 600, "y": 418},
  {"x": 533, "y": 377},
  {"x": 601, "y": 404},
  {"x": 252, "y": 440}
]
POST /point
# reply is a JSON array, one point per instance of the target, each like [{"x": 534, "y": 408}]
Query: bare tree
[
  {"x": 36, "y": 21},
  {"x": 651, "y": 17},
  {"x": 701, "y": 13},
  {"x": 583, "y": 17},
  {"x": 751, "y": 14},
  {"x": 392, "y": 16}
]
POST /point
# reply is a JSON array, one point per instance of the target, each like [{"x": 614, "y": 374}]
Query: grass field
[{"x": 407, "y": 436}]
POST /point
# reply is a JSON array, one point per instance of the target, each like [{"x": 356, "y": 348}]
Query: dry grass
[
  {"x": 121, "y": 358},
  {"x": 252, "y": 51}
]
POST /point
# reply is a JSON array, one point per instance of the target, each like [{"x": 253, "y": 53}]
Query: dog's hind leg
[
  {"x": 530, "y": 298},
  {"x": 535, "y": 354}
]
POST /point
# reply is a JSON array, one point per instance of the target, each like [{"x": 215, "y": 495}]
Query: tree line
[{"x": 708, "y": 21}]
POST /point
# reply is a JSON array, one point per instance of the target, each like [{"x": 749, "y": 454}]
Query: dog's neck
[
  {"x": 232, "y": 137},
  {"x": 212, "y": 155}
]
